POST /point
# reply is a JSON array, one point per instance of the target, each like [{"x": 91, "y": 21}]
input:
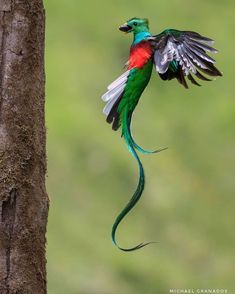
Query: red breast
[{"x": 139, "y": 55}]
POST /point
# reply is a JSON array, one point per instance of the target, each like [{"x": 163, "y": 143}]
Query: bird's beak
[{"x": 125, "y": 28}]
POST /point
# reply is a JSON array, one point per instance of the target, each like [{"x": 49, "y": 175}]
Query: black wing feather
[
  {"x": 201, "y": 76},
  {"x": 186, "y": 49},
  {"x": 193, "y": 81}
]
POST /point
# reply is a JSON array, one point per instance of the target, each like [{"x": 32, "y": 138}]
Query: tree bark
[{"x": 23, "y": 198}]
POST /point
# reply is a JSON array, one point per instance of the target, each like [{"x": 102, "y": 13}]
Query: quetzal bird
[{"x": 175, "y": 55}]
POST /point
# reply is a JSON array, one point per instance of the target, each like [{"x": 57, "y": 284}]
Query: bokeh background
[{"x": 188, "y": 204}]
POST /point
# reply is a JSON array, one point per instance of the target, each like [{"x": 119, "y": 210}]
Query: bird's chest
[{"x": 140, "y": 54}]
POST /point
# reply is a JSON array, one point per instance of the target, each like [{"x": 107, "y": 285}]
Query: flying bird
[{"x": 175, "y": 55}]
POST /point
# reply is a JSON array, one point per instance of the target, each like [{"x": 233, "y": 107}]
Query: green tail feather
[
  {"x": 144, "y": 151},
  {"x": 126, "y": 133},
  {"x": 140, "y": 149}
]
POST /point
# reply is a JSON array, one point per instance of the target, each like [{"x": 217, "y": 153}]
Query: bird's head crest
[{"x": 135, "y": 25}]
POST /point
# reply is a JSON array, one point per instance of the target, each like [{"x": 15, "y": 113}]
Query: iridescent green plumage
[
  {"x": 175, "y": 54},
  {"x": 137, "y": 81}
]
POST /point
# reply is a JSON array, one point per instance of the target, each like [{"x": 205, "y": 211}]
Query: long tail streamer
[
  {"x": 144, "y": 151},
  {"x": 132, "y": 142},
  {"x": 126, "y": 133}
]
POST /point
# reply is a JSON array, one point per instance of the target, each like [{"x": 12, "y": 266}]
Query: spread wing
[{"x": 180, "y": 54}]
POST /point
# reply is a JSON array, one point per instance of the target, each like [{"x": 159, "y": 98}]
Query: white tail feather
[
  {"x": 124, "y": 76},
  {"x": 110, "y": 105},
  {"x": 113, "y": 92}
]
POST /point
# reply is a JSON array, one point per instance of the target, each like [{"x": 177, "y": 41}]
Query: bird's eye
[{"x": 135, "y": 23}]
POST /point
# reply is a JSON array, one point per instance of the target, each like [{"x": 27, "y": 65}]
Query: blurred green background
[{"x": 188, "y": 204}]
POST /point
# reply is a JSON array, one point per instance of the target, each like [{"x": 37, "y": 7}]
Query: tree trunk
[{"x": 23, "y": 198}]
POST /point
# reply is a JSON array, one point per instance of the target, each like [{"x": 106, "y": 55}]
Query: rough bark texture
[{"x": 23, "y": 198}]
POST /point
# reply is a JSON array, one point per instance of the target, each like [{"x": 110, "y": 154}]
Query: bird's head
[{"x": 135, "y": 25}]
